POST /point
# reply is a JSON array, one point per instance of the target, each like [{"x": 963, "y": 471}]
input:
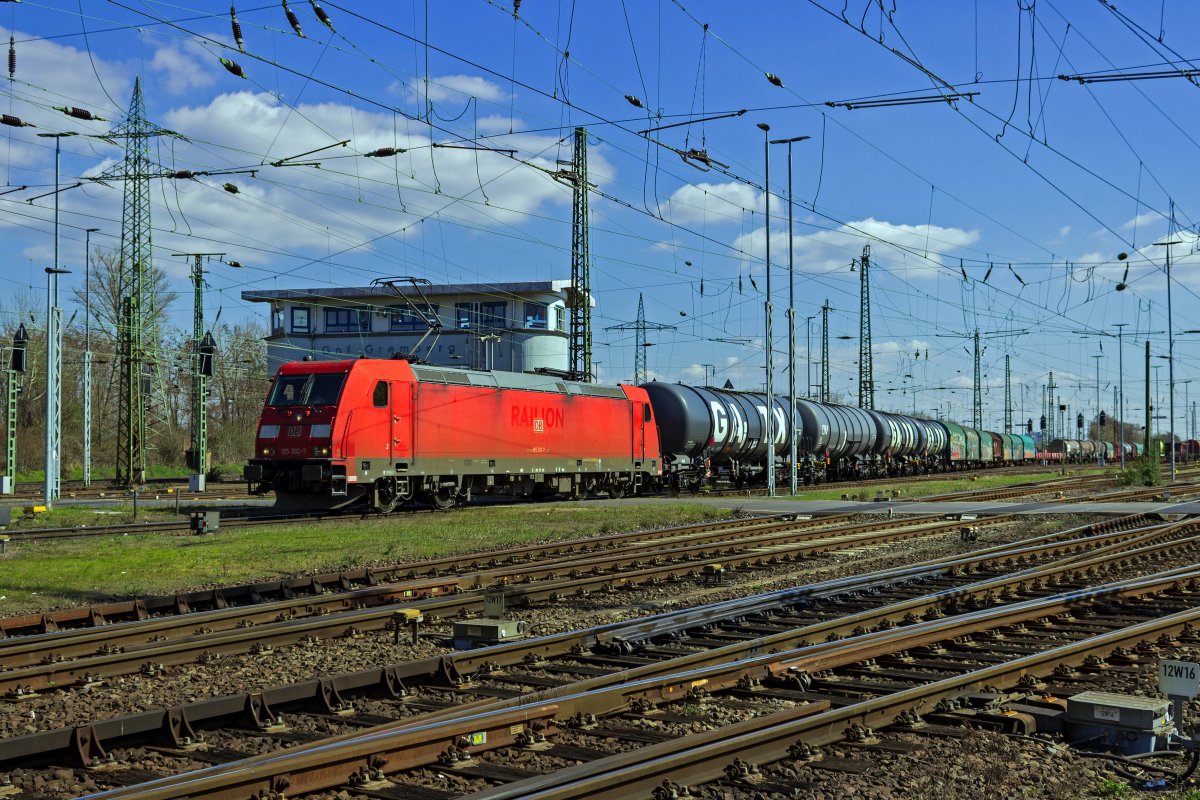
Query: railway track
[
  {"x": 83, "y": 656},
  {"x": 233, "y": 520},
  {"x": 612, "y": 698}
]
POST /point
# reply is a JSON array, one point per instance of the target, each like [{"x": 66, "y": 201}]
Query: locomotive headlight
[
  {"x": 268, "y": 431},
  {"x": 266, "y": 451},
  {"x": 319, "y": 431}
]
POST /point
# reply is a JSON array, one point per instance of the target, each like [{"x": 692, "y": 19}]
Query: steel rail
[
  {"x": 704, "y": 757},
  {"x": 177, "y": 723},
  {"x": 76, "y": 641},
  {"x": 83, "y": 656},
  {"x": 320, "y": 766},
  {"x": 245, "y": 594}
]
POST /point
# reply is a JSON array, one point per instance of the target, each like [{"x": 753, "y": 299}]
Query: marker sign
[{"x": 1179, "y": 678}]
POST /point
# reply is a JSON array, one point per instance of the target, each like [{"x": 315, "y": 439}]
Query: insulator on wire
[
  {"x": 15, "y": 122},
  {"x": 321, "y": 15},
  {"x": 183, "y": 175},
  {"x": 633, "y": 101},
  {"x": 516, "y": 8},
  {"x": 293, "y": 20},
  {"x": 775, "y": 79},
  {"x": 384, "y": 152},
  {"x": 234, "y": 264},
  {"x": 231, "y": 188},
  {"x": 12, "y": 58},
  {"x": 233, "y": 67},
  {"x": 78, "y": 113},
  {"x": 237, "y": 28}
]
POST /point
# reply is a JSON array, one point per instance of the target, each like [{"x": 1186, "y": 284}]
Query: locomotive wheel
[
  {"x": 443, "y": 499},
  {"x": 387, "y": 498},
  {"x": 616, "y": 490},
  {"x": 694, "y": 486}
]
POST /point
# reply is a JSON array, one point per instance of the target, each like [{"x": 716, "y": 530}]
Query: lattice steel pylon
[
  {"x": 639, "y": 327},
  {"x": 580, "y": 342},
  {"x": 825, "y": 352},
  {"x": 1008, "y": 409},
  {"x": 977, "y": 393},
  {"x": 134, "y": 287},
  {"x": 866, "y": 371}
]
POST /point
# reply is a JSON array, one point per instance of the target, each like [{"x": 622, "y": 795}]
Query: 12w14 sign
[{"x": 1179, "y": 678}]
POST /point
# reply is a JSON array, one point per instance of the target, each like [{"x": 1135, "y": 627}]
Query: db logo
[
  {"x": 294, "y": 430},
  {"x": 539, "y": 425}
]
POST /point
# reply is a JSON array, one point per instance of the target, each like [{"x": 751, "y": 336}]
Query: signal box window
[
  {"x": 276, "y": 320},
  {"x": 493, "y": 314},
  {"x": 300, "y": 320},
  {"x": 560, "y": 318},
  {"x": 379, "y": 398},
  {"x": 465, "y": 315},
  {"x": 536, "y": 315},
  {"x": 347, "y": 320},
  {"x": 405, "y": 318}
]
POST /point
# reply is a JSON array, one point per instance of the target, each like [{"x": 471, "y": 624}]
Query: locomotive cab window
[
  {"x": 379, "y": 398},
  {"x": 646, "y": 412},
  {"x": 317, "y": 389}
]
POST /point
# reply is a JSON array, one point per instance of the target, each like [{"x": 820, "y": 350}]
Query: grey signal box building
[{"x": 517, "y": 327}]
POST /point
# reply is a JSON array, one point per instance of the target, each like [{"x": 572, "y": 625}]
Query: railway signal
[{"x": 16, "y": 365}]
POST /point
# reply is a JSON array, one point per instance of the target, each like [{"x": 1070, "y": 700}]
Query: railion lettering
[{"x": 528, "y": 416}]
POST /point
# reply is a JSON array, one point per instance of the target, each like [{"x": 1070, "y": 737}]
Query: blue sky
[{"x": 1054, "y": 178}]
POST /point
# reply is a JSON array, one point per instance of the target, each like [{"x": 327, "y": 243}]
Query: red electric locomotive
[{"x": 382, "y": 432}]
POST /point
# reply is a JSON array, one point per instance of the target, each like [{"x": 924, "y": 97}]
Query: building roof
[{"x": 351, "y": 293}]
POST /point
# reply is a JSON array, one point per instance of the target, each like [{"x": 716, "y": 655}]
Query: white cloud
[
  {"x": 443, "y": 88},
  {"x": 712, "y": 202},
  {"x": 1142, "y": 220},
  {"x": 181, "y": 72},
  {"x": 828, "y": 250},
  {"x": 351, "y": 200},
  {"x": 892, "y": 347}
]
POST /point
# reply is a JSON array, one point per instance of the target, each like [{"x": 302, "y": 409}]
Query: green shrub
[{"x": 1143, "y": 472}]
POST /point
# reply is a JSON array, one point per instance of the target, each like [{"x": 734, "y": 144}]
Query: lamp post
[
  {"x": 769, "y": 417},
  {"x": 87, "y": 355},
  {"x": 791, "y": 315},
  {"x": 1099, "y": 454},
  {"x": 1170, "y": 354},
  {"x": 808, "y": 351},
  {"x": 53, "y": 478},
  {"x": 1120, "y": 326},
  {"x": 52, "y": 487}
]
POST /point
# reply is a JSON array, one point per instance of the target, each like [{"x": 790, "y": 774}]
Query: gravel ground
[
  {"x": 979, "y": 765},
  {"x": 242, "y": 673}
]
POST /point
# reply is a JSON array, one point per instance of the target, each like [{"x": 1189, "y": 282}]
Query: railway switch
[
  {"x": 714, "y": 574},
  {"x": 482, "y": 632},
  {"x": 1130, "y": 724},
  {"x": 412, "y": 617},
  {"x": 205, "y": 521}
]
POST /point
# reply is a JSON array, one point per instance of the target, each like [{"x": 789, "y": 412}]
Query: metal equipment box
[
  {"x": 472, "y": 633},
  {"x": 196, "y": 483},
  {"x": 1131, "y": 724}
]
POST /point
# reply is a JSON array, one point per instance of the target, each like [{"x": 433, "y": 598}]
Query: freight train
[{"x": 379, "y": 433}]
